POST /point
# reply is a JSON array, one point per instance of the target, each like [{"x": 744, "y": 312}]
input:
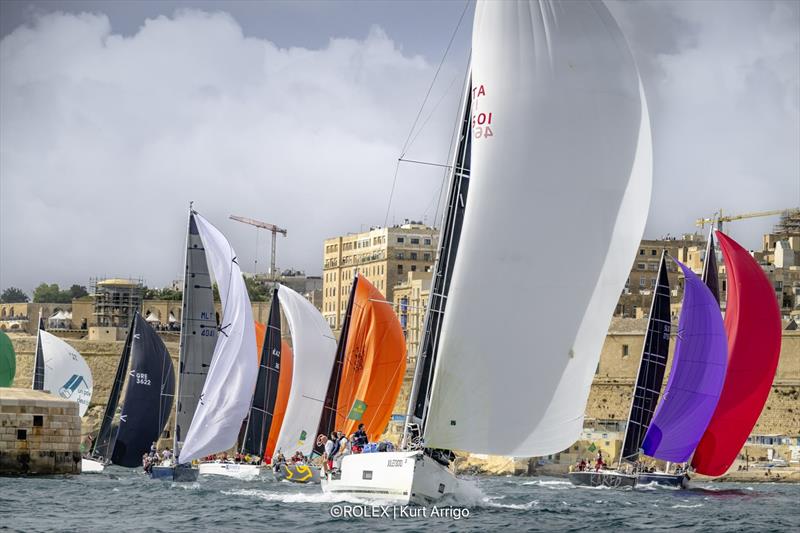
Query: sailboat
[
  {"x": 753, "y": 326},
  {"x": 60, "y": 370},
  {"x": 553, "y": 120},
  {"x": 671, "y": 428},
  {"x": 368, "y": 371},
  {"x": 146, "y": 365},
  {"x": 8, "y": 361}
]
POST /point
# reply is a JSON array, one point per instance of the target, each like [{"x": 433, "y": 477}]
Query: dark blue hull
[
  {"x": 174, "y": 473},
  {"x": 660, "y": 478}
]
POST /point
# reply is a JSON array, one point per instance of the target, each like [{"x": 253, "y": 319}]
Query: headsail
[
  {"x": 559, "y": 123},
  {"x": 106, "y": 437},
  {"x": 369, "y": 367},
  {"x": 695, "y": 379},
  {"x": 231, "y": 378},
  {"x": 198, "y": 333},
  {"x": 66, "y": 374},
  {"x": 8, "y": 361},
  {"x": 753, "y": 326},
  {"x": 651, "y": 367},
  {"x": 282, "y": 399},
  {"x": 262, "y": 408},
  {"x": 38, "y": 357},
  {"x": 710, "y": 271},
  {"x": 148, "y": 397},
  {"x": 314, "y": 347}
]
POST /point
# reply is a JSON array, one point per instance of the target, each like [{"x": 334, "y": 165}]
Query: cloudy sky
[{"x": 114, "y": 115}]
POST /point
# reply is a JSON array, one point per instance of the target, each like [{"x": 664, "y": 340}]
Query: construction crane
[
  {"x": 269, "y": 227},
  {"x": 718, "y": 219}
]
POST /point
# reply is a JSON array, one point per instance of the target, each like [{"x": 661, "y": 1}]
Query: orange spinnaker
[
  {"x": 374, "y": 362},
  {"x": 284, "y": 386}
]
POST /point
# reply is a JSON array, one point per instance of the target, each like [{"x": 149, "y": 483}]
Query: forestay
[
  {"x": 231, "y": 378},
  {"x": 561, "y": 157},
  {"x": 314, "y": 348}
]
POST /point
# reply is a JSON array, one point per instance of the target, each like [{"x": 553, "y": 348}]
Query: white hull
[
  {"x": 90, "y": 466},
  {"x": 393, "y": 477},
  {"x": 235, "y": 470}
]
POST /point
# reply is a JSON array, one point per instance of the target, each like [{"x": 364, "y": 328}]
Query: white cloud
[{"x": 104, "y": 140}]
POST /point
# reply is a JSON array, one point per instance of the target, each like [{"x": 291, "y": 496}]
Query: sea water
[{"x": 126, "y": 500}]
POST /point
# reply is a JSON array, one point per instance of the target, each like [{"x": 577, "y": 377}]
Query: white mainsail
[
  {"x": 561, "y": 160},
  {"x": 231, "y": 378},
  {"x": 314, "y": 349},
  {"x": 66, "y": 374}
]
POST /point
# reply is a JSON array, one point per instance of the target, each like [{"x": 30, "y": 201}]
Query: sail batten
[{"x": 559, "y": 124}]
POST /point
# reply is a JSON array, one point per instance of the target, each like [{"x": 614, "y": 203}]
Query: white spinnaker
[
  {"x": 314, "y": 349},
  {"x": 66, "y": 374},
  {"x": 558, "y": 199},
  {"x": 228, "y": 389}
]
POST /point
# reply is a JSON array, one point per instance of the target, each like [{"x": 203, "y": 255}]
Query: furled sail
[
  {"x": 66, "y": 374},
  {"x": 559, "y": 124},
  {"x": 710, "y": 271},
  {"x": 314, "y": 347},
  {"x": 651, "y": 367},
  {"x": 107, "y": 435},
  {"x": 262, "y": 408},
  {"x": 8, "y": 361},
  {"x": 231, "y": 378},
  {"x": 198, "y": 333},
  {"x": 753, "y": 326},
  {"x": 373, "y": 365},
  {"x": 695, "y": 378},
  {"x": 148, "y": 396}
]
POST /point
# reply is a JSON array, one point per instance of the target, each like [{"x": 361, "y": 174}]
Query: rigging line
[
  {"x": 419, "y": 113},
  {"x": 401, "y": 160},
  {"x": 430, "y": 115},
  {"x": 435, "y": 76}
]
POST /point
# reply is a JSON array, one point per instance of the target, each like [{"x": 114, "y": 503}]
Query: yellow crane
[
  {"x": 718, "y": 218},
  {"x": 269, "y": 227}
]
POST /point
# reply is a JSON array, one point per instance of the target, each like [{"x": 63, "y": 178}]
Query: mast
[
  {"x": 327, "y": 422},
  {"x": 262, "y": 407},
  {"x": 652, "y": 366},
  {"x": 452, "y": 221},
  {"x": 38, "y": 364},
  {"x": 106, "y": 438}
]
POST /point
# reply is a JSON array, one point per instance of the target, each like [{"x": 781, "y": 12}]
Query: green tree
[
  {"x": 256, "y": 290},
  {"x": 77, "y": 291},
  {"x": 13, "y": 295},
  {"x": 46, "y": 293}
]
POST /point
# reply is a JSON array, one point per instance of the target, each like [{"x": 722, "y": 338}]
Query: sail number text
[
  {"x": 142, "y": 379},
  {"x": 481, "y": 121}
]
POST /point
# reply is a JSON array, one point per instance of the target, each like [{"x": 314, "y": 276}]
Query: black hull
[
  {"x": 603, "y": 478},
  {"x": 614, "y": 479},
  {"x": 174, "y": 473}
]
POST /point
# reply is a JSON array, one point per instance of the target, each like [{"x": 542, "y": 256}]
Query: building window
[
  {"x": 401, "y": 240},
  {"x": 625, "y": 350},
  {"x": 399, "y": 269},
  {"x": 22, "y": 434},
  {"x": 653, "y": 283},
  {"x": 427, "y": 268},
  {"x": 641, "y": 266},
  {"x": 426, "y": 256},
  {"x": 641, "y": 252},
  {"x": 427, "y": 242},
  {"x": 400, "y": 255},
  {"x": 413, "y": 268},
  {"x": 414, "y": 241},
  {"x": 652, "y": 252},
  {"x": 38, "y": 421},
  {"x": 641, "y": 282},
  {"x": 413, "y": 256},
  {"x": 654, "y": 266}
]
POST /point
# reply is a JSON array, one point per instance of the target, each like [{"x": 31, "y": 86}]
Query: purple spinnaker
[{"x": 695, "y": 379}]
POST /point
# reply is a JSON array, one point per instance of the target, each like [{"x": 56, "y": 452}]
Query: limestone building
[
  {"x": 410, "y": 302},
  {"x": 384, "y": 256}
]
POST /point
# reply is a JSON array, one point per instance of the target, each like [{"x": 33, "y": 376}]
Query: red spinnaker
[{"x": 753, "y": 325}]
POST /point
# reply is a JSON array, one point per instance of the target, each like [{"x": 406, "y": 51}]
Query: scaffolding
[
  {"x": 116, "y": 300},
  {"x": 789, "y": 224}
]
